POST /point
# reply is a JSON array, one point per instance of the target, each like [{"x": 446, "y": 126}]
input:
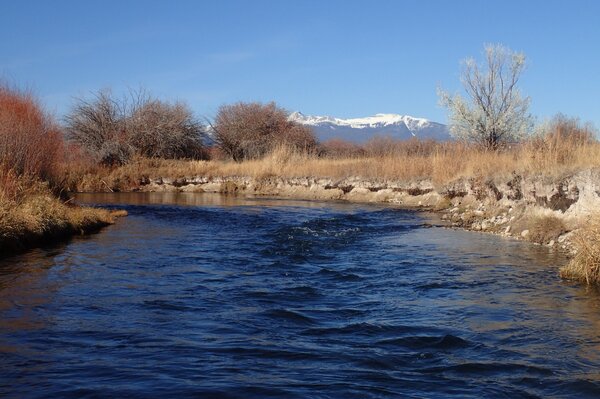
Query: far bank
[{"x": 553, "y": 209}]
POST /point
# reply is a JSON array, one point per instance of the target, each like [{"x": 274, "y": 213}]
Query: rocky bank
[{"x": 539, "y": 208}]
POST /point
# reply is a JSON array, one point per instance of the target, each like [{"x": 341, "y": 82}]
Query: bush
[
  {"x": 585, "y": 266},
  {"x": 163, "y": 130},
  {"x": 386, "y": 146},
  {"x": 31, "y": 143},
  {"x": 338, "y": 148},
  {"x": 251, "y": 130},
  {"x": 562, "y": 140},
  {"x": 544, "y": 229},
  {"x": 112, "y": 130}
]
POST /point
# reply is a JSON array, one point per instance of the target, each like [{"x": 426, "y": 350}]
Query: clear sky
[{"x": 327, "y": 57}]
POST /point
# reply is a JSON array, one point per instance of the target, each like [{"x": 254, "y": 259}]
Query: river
[{"x": 198, "y": 295}]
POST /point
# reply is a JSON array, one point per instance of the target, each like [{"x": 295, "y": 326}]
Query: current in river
[{"x": 199, "y": 295}]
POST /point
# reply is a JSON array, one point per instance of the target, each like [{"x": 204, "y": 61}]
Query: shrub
[
  {"x": 339, "y": 148},
  {"x": 30, "y": 141},
  {"x": 99, "y": 126},
  {"x": 163, "y": 130},
  {"x": 560, "y": 141},
  {"x": 544, "y": 229},
  {"x": 251, "y": 130},
  {"x": 379, "y": 146},
  {"x": 112, "y": 130},
  {"x": 585, "y": 266}
]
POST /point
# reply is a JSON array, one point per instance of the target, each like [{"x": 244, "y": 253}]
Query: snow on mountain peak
[{"x": 362, "y": 129}]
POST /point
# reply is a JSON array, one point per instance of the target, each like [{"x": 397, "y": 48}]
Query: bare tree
[
  {"x": 495, "y": 112},
  {"x": 99, "y": 126},
  {"x": 113, "y": 129},
  {"x": 251, "y": 130},
  {"x": 163, "y": 130}
]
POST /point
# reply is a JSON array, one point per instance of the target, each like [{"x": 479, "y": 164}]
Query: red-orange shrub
[{"x": 30, "y": 141}]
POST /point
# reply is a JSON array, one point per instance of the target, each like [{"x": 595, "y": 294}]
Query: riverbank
[
  {"x": 34, "y": 217},
  {"x": 550, "y": 209}
]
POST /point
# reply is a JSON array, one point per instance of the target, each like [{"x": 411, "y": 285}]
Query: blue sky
[{"x": 341, "y": 58}]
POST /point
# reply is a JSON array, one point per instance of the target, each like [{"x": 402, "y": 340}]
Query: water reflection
[{"x": 190, "y": 199}]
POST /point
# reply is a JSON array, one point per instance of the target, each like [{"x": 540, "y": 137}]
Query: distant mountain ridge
[{"x": 358, "y": 130}]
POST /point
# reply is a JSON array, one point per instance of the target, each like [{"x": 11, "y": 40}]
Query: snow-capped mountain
[{"x": 362, "y": 129}]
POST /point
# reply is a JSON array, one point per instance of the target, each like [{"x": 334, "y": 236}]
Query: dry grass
[
  {"x": 544, "y": 229},
  {"x": 442, "y": 163},
  {"x": 30, "y": 214},
  {"x": 585, "y": 266}
]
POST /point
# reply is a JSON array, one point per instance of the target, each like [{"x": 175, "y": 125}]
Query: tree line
[{"x": 111, "y": 130}]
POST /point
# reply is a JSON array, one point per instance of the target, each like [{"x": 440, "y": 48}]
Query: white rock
[
  {"x": 507, "y": 230},
  {"x": 562, "y": 238},
  {"x": 524, "y": 233}
]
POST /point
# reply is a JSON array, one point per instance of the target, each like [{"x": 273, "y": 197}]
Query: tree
[
  {"x": 99, "y": 126},
  {"x": 495, "y": 113},
  {"x": 163, "y": 130},
  {"x": 113, "y": 129},
  {"x": 251, "y": 130}
]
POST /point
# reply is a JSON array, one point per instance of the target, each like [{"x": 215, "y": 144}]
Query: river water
[{"x": 197, "y": 295}]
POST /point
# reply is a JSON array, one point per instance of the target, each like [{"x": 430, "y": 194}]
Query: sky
[{"x": 328, "y": 57}]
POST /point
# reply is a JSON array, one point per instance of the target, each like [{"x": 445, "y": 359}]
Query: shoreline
[
  {"x": 61, "y": 224},
  {"x": 539, "y": 209}
]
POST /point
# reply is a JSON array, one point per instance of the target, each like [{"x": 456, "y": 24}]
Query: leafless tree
[
  {"x": 99, "y": 126},
  {"x": 163, "y": 130},
  {"x": 495, "y": 112},
  {"x": 251, "y": 130},
  {"x": 113, "y": 129}
]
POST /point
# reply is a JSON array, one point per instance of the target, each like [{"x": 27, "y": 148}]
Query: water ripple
[{"x": 199, "y": 296}]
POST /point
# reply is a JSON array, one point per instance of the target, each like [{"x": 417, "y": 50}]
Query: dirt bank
[{"x": 536, "y": 208}]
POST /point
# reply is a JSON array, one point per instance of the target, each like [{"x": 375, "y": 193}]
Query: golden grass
[
  {"x": 585, "y": 266},
  {"x": 547, "y": 228},
  {"x": 30, "y": 215},
  {"x": 443, "y": 163}
]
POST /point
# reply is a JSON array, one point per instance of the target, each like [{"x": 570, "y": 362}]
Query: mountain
[{"x": 362, "y": 129}]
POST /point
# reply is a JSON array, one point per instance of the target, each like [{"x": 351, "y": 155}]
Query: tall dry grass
[
  {"x": 585, "y": 266},
  {"x": 563, "y": 147},
  {"x": 31, "y": 214}
]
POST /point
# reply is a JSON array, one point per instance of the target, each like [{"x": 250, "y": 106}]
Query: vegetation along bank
[{"x": 500, "y": 174}]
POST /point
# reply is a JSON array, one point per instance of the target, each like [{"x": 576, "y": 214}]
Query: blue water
[{"x": 205, "y": 296}]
